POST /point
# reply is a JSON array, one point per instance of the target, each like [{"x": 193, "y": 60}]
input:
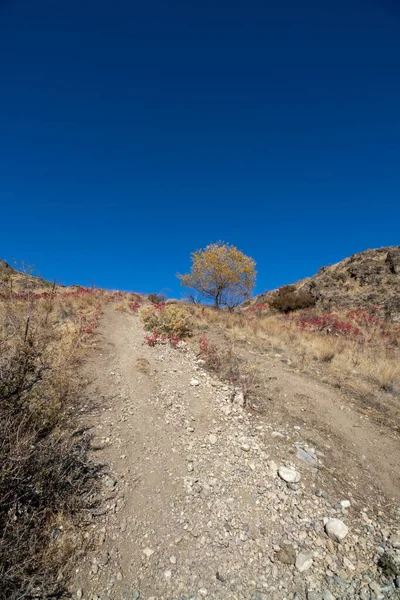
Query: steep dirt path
[{"x": 195, "y": 507}]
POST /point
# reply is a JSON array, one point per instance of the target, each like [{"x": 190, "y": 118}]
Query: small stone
[
  {"x": 336, "y": 529},
  {"x": 330, "y": 546},
  {"x": 314, "y": 596},
  {"x": 348, "y": 564},
  {"x": 168, "y": 574},
  {"x": 79, "y": 593},
  {"x": 190, "y": 467},
  {"x": 376, "y": 588},
  {"x": 303, "y": 561},
  {"x": 172, "y": 560},
  {"x": 307, "y": 456},
  {"x": 212, "y": 439},
  {"x": 194, "y": 382},
  {"x": 395, "y": 541},
  {"x": 110, "y": 482},
  {"x": 148, "y": 552},
  {"x": 239, "y": 398},
  {"x": 345, "y": 503},
  {"x": 273, "y": 468},
  {"x": 397, "y": 582},
  {"x": 135, "y": 595},
  {"x": 327, "y": 595},
  {"x": 287, "y": 554},
  {"x": 119, "y": 576},
  {"x": 289, "y": 474},
  {"x": 322, "y": 494},
  {"x": 203, "y": 592},
  {"x": 245, "y": 448}
]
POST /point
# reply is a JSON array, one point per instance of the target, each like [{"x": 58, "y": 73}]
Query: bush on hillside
[
  {"x": 168, "y": 321},
  {"x": 288, "y": 299}
]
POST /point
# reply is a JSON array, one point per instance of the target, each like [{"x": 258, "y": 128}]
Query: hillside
[
  {"x": 162, "y": 451},
  {"x": 21, "y": 279},
  {"x": 367, "y": 279}
]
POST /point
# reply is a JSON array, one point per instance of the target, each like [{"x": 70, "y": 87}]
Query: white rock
[
  {"x": 348, "y": 564},
  {"x": 289, "y": 474},
  {"x": 194, "y": 382},
  {"x": 148, "y": 552},
  {"x": 212, "y": 438},
  {"x": 336, "y": 530},
  {"x": 303, "y": 561},
  {"x": 168, "y": 574},
  {"x": 345, "y": 503},
  {"x": 245, "y": 447},
  {"x": 239, "y": 398},
  {"x": 172, "y": 560},
  {"x": 79, "y": 593}
]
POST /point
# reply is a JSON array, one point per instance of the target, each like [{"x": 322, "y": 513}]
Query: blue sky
[{"x": 132, "y": 133}]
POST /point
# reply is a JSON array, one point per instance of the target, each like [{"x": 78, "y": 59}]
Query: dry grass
[
  {"x": 47, "y": 480},
  {"x": 372, "y": 357}
]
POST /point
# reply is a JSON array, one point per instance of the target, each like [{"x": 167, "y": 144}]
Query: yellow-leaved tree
[{"x": 221, "y": 273}]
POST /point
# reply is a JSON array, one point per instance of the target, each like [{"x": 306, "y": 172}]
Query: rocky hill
[
  {"x": 369, "y": 278},
  {"x": 21, "y": 280}
]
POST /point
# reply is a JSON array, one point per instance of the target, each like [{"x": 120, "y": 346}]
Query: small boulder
[
  {"x": 303, "y": 561},
  {"x": 336, "y": 530},
  {"x": 289, "y": 474},
  {"x": 287, "y": 554}
]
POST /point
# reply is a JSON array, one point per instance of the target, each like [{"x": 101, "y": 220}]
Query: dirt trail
[{"x": 195, "y": 507}]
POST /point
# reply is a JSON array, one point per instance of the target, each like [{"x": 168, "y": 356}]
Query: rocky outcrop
[{"x": 366, "y": 279}]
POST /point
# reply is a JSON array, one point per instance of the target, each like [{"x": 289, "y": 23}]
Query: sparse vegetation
[
  {"x": 355, "y": 348},
  {"x": 47, "y": 480},
  {"x": 221, "y": 273},
  {"x": 49, "y": 483}
]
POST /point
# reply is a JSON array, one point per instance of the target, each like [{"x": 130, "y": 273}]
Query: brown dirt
[{"x": 152, "y": 425}]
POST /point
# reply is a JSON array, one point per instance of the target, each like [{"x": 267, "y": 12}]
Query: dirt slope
[{"x": 195, "y": 506}]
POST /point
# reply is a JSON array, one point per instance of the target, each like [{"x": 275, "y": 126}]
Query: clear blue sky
[{"x": 132, "y": 133}]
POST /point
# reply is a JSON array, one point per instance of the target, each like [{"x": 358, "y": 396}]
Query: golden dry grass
[
  {"x": 371, "y": 357},
  {"x": 47, "y": 479}
]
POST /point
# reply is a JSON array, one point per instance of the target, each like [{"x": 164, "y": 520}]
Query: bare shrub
[
  {"x": 156, "y": 298},
  {"x": 47, "y": 480}
]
